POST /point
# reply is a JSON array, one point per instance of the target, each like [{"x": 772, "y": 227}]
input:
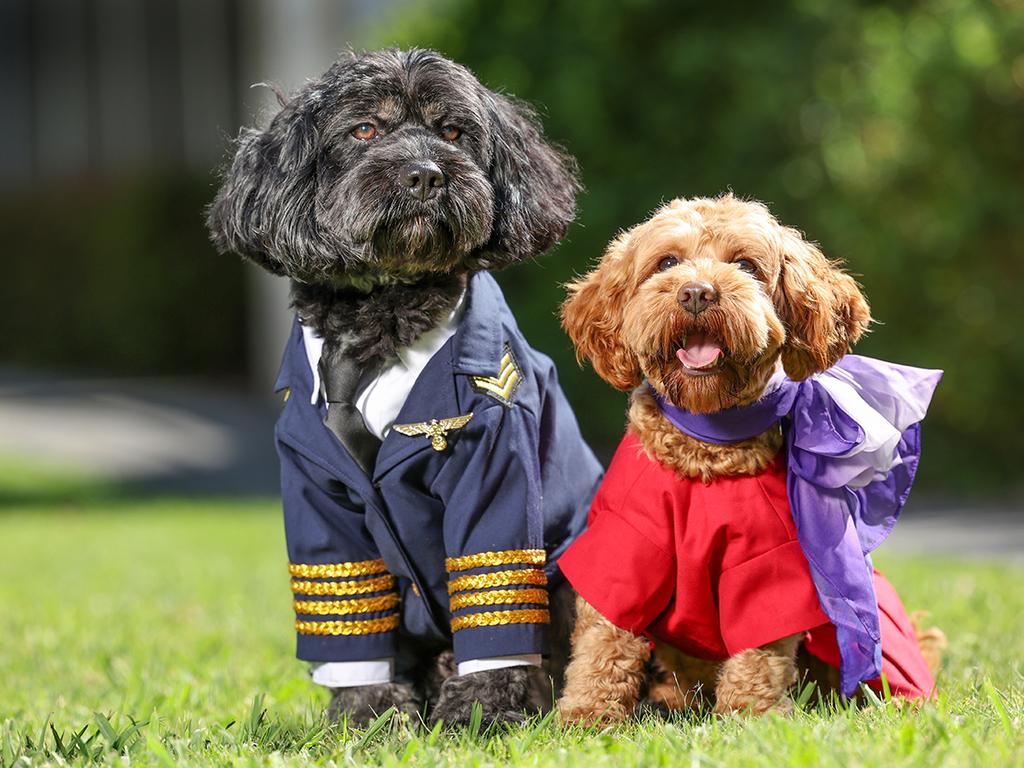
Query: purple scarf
[{"x": 853, "y": 440}]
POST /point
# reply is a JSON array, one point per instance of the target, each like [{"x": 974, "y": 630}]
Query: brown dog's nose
[
  {"x": 422, "y": 178},
  {"x": 696, "y": 297}
]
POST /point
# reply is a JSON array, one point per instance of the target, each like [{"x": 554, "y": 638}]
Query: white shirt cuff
[
  {"x": 499, "y": 662},
  {"x": 348, "y": 674}
]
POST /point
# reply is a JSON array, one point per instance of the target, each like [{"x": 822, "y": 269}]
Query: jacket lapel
[
  {"x": 475, "y": 348},
  {"x": 302, "y": 426},
  {"x": 431, "y": 397}
]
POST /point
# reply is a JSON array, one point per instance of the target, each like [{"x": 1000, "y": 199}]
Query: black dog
[{"x": 386, "y": 190}]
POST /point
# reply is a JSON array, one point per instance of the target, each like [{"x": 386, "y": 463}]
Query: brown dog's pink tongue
[{"x": 699, "y": 352}]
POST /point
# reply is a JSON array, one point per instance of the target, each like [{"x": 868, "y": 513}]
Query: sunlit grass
[{"x": 158, "y": 633}]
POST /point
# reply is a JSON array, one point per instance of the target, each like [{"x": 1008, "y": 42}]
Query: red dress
[{"x": 715, "y": 568}]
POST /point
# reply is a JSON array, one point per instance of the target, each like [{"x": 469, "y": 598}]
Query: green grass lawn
[{"x": 159, "y": 632}]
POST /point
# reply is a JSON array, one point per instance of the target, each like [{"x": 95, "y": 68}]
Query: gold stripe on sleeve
[
  {"x": 499, "y": 597},
  {"x": 533, "y": 576},
  {"x": 506, "y": 557},
  {"x": 351, "y": 627},
  {"x": 500, "y": 618},
  {"x": 345, "y": 607},
  {"x": 340, "y": 588},
  {"x": 336, "y": 570}
]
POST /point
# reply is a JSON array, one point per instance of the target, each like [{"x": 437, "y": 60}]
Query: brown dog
[{"x": 704, "y": 301}]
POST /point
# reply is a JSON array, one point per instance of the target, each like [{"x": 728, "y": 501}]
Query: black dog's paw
[
  {"x": 362, "y": 704},
  {"x": 508, "y": 695}
]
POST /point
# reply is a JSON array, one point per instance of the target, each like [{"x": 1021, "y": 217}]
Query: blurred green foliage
[
  {"x": 119, "y": 278},
  {"x": 890, "y": 132}
]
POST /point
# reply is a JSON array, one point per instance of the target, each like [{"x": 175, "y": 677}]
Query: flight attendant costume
[{"x": 720, "y": 567}]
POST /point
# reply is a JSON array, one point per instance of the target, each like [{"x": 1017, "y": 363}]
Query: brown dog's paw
[
  {"x": 783, "y": 706},
  {"x": 590, "y": 712},
  {"x": 360, "y": 705},
  {"x": 932, "y": 641},
  {"x": 755, "y": 681}
]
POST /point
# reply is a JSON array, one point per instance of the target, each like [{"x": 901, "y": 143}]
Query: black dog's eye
[
  {"x": 364, "y": 131},
  {"x": 746, "y": 265},
  {"x": 667, "y": 263},
  {"x": 450, "y": 132}
]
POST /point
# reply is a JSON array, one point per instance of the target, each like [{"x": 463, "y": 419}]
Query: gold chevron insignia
[
  {"x": 503, "y": 386},
  {"x": 436, "y": 429}
]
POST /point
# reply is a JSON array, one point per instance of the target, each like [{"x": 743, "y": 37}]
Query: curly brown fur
[
  {"x": 363, "y": 704},
  {"x": 792, "y": 304},
  {"x": 756, "y": 680},
  {"x": 775, "y": 301},
  {"x": 932, "y": 641},
  {"x": 690, "y": 457},
  {"x": 606, "y": 674},
  {"x": 678, "y": 681}
]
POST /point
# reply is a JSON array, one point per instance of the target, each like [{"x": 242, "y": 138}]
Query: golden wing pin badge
[
  {"x": 503, "y": 386},
  {"x": 436, "y": 429}
]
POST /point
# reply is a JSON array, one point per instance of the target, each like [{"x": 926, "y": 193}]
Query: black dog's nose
[
  {"x": 696, "y": 297},
  {"x": 422, "y": 178}
]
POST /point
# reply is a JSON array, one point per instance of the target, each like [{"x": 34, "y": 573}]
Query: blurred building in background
[
  {"x": 100, "y": 92},
  {"x": 889, "y": 133},
  {"x": 117, "y": 113}
]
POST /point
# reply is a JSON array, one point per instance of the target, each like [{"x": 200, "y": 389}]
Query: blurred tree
[
  {"x": 890, "y": 132},
  {"x": 119, "y": 278}
]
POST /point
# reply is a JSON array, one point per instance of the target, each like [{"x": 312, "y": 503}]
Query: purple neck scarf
[{"x": 853, "y": 440}]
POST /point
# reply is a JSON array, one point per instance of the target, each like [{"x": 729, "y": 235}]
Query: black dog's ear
[
  {"x": 265, "y": 208},
  {"x": 534, "y": 183}
]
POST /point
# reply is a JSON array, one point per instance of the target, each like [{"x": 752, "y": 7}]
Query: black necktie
[{"x": 340, "y": 375}]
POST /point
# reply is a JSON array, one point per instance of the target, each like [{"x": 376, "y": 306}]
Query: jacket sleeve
[
  {"x": 624, "y": 563},
  {"x": 494, "y": 537},
  {"x": 345, "y": 601}
]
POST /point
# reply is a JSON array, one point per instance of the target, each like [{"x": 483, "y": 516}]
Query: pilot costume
[{"x": 447, "y": 531}]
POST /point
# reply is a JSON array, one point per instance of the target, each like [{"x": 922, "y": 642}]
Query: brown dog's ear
[
  {"x": 592, "y": 316},
  {"x": 821, "y": 306}
]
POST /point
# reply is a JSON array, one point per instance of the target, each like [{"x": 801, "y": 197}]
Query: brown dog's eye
[
  {"x": 746, "y": 265},
  {"x": 365, "y": 131},
  {"x": 450, "y": 132},
  {"x": 667, "y": 263}
]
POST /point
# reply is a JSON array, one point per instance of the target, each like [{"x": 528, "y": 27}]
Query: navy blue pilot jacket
[{"x": 455, "y": 536}]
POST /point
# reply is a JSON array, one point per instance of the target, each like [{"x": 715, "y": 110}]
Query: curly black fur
[
  {"x": 373, "y": 266},
  {"x": 398, "y": 314},
  {"x": 443, "y": 667},
  {"x": 507, "y": 695},
  {"x": 307, "y": 199},
  {"x": 562, "y": 606},
  {"x": 364, "y": 703}
]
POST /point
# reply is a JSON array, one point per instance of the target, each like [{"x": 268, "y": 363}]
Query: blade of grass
[
  {"x": 42, "y": 733},
  {"x": 157, "y": 749},
  {"x": 476, "y": 719},
  {"x": 106, "y": 729},
  {"x": 1000, "y": 708},
  {"x": 886, "y": 693},
  {"x": 805, "y": 694},
  {"x": 375, "y": 727}
]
